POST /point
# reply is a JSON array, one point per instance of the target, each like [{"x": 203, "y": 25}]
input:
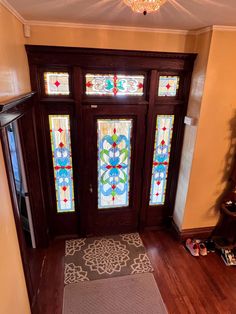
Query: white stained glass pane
[
  {"x": 114, "y": 158},
  {"x": 168, "y": 85},
  {"x": 56, "y": 83},
  {"x": 161, "y": 157}
]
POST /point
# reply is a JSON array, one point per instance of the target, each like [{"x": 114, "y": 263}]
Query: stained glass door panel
[
  {"x": 62, "y": 162},
  {"x": 161, "y": 158},
  {"x": 114, "y": 158}
]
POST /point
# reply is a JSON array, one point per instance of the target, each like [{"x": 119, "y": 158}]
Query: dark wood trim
[
  {"x": 14, "y": 108},
  {"x": 30, "y": 152},
  {"x": 12, "y": 102},
  {"x": 115, "y": 59},
  {"x": 96, "y": 51},
  {"x": 196, "y": 233},
  {"x": 20, "y": 108}
]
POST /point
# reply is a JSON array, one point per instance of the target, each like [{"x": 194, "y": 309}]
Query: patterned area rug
[
  {"x": 135, "y": 294},
  {"x": 105, "y": 257}
]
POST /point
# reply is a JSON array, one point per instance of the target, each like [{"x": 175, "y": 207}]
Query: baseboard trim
[{"x": 196, "y": 233}]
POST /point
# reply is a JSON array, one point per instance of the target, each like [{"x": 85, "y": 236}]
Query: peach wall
[
  {"x": 13, "y": 293},
  {"x": 202, "y": 47},
  {"x": 216, "y": 135},
  {"x": 114, "y": 39},
  {"x": 14, "y": 73},
  {"x": 14, "y": 80}
]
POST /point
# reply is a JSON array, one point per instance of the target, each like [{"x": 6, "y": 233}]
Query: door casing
[{"x": 77, "y": 62}]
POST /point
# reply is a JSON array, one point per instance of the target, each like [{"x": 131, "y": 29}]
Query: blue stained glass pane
[
  {"x": 161, "y": 156},
  {"x": 168, "y": 85},
  {"x": 62, "y": 162},
  {"x": 14, "y": 158},
  {"x": 114, "y": 157}
]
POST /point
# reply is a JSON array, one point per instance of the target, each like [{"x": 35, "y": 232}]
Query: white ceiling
[{"x": 174, "y": 14}]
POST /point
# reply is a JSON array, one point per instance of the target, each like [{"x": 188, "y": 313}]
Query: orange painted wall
[
  {"x": 216, "y": 134},
  {"x": 14, "y": 80},
  {"x": 14, "y": 73},
  {"x": 113, "y": 39},
  {"x": 202, "y": 47}
]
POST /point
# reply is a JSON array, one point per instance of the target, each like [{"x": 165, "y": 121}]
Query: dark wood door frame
[
  {"x": 78, "y": 61},
  {"x": 21, "y": 108}
]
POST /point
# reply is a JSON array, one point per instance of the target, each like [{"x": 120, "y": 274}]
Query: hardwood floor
[{"x": 187, "y": 284}]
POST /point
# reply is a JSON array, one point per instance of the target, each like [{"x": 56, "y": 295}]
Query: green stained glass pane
[
  {"x": 114, "y": 158},
  {"x": 168, "y": 85},
  {"x": 56, "y": 83},
  {"x": 114, "y": 85},
  {"x": 161, "y": 157},
  {"x": 62, "y": 162}
]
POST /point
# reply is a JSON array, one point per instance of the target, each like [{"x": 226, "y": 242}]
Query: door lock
[{"x": 90, "y": 188}]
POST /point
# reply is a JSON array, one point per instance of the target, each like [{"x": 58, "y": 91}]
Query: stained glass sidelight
[
  {"x": 62, "y": 162},
  {"x": 168, "y": 85},
  {"x": 56, "y": 83},
  {"x": 114, "y": 85},
  {"x": 114, "y": 158},
  {"x": 161, "y": 156}
]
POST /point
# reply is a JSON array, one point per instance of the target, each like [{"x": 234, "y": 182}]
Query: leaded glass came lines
[
  {"x": 114, "y": 85},
  {"x": 114, "y": 158},
  {"x": 62, "y": 162},
  {"x": 161, "y": 157},
  {"x": 56, "y": 83},
  {"x": 168, "y": 85}
]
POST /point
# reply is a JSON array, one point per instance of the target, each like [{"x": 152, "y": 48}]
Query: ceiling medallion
[{"x": 144, "y": 6}]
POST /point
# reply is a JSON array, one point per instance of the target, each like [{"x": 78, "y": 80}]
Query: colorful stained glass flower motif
[
  {"x": 114, "y": 158},
  {"x": 62, "y": 162},
  {"x": 168, "y": 85},
  {"x": 161, "y": 157},
  {"x": 56, "y": 83},
  {"x": 114, "y": 85}
]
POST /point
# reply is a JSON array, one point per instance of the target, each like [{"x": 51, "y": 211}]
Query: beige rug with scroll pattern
[{"x": 105, "y": 257}]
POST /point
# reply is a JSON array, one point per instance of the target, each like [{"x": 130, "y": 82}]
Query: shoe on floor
[
  {"x": 202, "y": 249},
  {"x": 192, "y": 246}
]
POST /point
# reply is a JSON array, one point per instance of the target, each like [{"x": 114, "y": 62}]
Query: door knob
[{"x": 90, "y": 188}]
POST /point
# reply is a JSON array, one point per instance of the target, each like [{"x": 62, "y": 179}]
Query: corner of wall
[{"x": 202, "y": 47}]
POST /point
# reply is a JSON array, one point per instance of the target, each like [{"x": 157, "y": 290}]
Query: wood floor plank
[{"x": 187, "y": 284}]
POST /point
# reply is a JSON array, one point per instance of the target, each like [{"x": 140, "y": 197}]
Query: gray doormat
[
  {"x": 105, "y": 257},
  {"x": 137, "y": 294}
]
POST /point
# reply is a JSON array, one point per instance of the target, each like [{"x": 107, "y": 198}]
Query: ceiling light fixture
[{"x": 144, "y": 6}]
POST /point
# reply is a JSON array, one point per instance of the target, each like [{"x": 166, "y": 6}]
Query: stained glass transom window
[
  {"x": 168, "y": 85},
  {"x": 114, "y": 158},
  {"x": 62, "y": 162},
  {"x": 161, "y": 157},
  {"x": 114, "y": 85},
  {"x": 56, "y": 83}
]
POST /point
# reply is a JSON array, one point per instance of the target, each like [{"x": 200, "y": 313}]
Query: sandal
[{"x": 192, "y": 246}]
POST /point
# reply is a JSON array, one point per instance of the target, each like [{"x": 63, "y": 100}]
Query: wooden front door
[
  {"x": 110, "y": 128},
  {"x": 113, "y": 150}
]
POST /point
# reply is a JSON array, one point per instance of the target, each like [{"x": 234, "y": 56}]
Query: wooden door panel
[{"x": 114, "y": 219}]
